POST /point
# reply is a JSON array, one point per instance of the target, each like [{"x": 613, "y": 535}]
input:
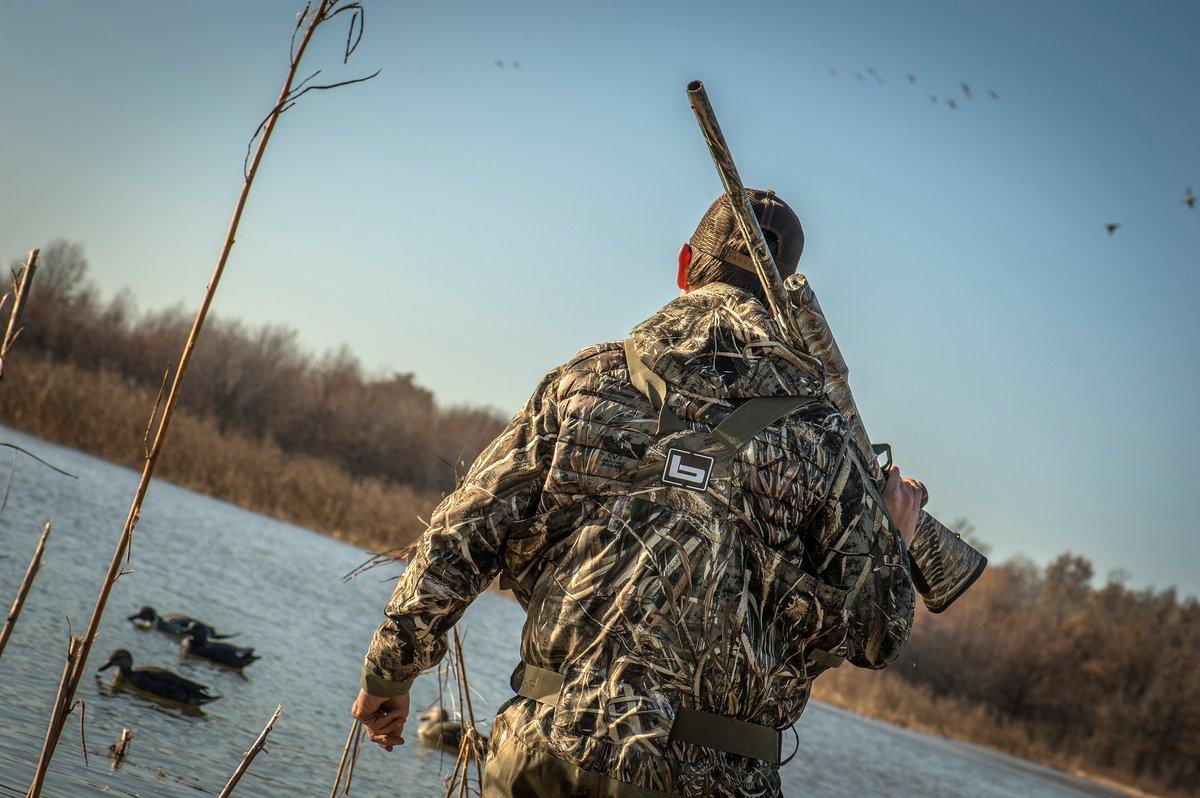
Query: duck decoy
[
  {"x": 158, "y": 681},
  {"x": 195, "y": 642},
  {"x": 173, "y": 624},
  {"x": 437, "y": 729}
]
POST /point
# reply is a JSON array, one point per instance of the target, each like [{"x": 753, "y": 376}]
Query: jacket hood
[{"x": 720, "y": 342}]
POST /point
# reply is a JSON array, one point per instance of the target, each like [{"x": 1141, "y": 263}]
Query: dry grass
[
  {"x": 886, "y": 696},
  {"x": 105, "y": 415}
]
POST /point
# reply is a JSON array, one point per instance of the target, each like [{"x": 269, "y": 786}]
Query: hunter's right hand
[
  {"x": 383, "y": 717},
  {"x": 903, "y": 499}
]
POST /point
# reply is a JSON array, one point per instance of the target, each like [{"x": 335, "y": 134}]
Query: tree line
[{"x": 258, "y": 380}]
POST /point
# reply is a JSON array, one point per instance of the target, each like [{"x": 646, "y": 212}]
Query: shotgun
[{"x": 944, "y": 565}]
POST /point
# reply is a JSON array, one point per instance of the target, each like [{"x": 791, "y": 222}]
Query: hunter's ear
[{"x": 685, "y": 262}]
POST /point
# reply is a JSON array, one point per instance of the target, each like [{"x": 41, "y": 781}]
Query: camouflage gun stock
[{"x": 944, "y": 565}]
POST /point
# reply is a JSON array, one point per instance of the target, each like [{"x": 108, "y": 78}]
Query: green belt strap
[
  {"x": 690, "y": 726},
  {"x": 728, "y": 735}
]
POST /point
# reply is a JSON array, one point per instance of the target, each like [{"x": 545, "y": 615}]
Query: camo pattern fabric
[{"x": 648, "y": 597}]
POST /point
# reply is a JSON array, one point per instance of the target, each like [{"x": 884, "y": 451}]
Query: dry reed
[
  {"x": 22, "y": 281},
  {"x": 248, "y": 757},
  {"x": 288, "y": 95},
  {"x": 58, "y": 717},
  {"x": 14, "y": 612}
]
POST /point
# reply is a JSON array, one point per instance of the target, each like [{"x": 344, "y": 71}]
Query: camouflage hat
[{"x": 718, "y": 236}]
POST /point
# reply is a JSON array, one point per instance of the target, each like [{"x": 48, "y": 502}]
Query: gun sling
[
  {"x": 735, "y": 430},
  {"x": 690, "y": 726}
]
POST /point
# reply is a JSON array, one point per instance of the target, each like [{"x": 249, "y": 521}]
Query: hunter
[{"x": 693, "y": 536}]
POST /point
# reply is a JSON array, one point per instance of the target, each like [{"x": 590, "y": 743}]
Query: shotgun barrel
[{"x": 944, "y": 565}]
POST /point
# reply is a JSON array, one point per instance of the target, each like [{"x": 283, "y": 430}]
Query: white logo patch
[{"x": 687, "y": 470}]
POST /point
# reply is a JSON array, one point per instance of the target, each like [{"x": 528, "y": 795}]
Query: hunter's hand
[
  {"x": 903, "y": 499},
  {"x": 383, "y": 717}
]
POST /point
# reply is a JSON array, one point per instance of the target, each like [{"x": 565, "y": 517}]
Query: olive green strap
[
  {"x": 755, "y": 415},
  {"x": 653, "y": 387},
  {"x": 736, "y": 429},
  {"x": 728, "y": 734}
]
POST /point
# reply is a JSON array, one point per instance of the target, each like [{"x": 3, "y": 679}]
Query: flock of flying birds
[
  {"x": 1188, "y": 198},
  {"x": 949, "y": 102}
]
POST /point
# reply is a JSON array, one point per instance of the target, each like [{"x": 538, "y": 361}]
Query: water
[{"x": 280, "y": 587}]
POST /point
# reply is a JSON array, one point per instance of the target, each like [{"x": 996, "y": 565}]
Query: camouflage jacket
[{"x": 642, "y": 602}]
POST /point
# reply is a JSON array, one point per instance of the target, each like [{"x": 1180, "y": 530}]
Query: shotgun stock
[{"x": 944, "y": 565}]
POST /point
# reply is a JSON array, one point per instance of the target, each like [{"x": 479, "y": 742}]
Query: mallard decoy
[
  {"x": 158, "y": 681},
  {"x": 437, "y": 729},
  {"x": 195, "y": 642},
  {"x": 173, "y": 624}
]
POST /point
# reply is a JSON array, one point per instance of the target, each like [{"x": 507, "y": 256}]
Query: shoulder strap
[
  {"x": 755, "y": 415},
  {"x": 736, "y": 429},
  {"x": 653, "y": 387}
]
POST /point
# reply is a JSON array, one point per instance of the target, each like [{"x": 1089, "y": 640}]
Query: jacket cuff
[{"x": 382, "y": 688}]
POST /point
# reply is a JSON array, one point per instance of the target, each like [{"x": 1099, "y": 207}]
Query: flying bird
[
  {"x": 516, "y": 64},
  {"x": 499, "y": 64},
  {"x": 966, "y": 90},
  {"x": 992, "y": 94},
  {"x": 1188, "y": 198},
  {"x": 1111, "y": 227},
  {"x": 912, "y": 78},
  {"x": 858, "y": 76},
  {"x": 953, "y": 105},
  {"x": 833, "y": 72},
  {"x": 933, "y": 98}
]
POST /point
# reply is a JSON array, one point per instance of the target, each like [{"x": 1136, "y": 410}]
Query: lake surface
[{"x": 280, "y": 587}]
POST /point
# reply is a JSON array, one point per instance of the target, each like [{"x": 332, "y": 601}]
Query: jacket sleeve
[
  {"x": 863, "y": 554},
  {"x": 462, "y": 550}
]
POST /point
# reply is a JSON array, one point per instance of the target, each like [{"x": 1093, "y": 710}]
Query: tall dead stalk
[
  {"x": 21, "y": 282},
  {"x": 471, "y": 745},
  {"x": 58, "y": 718},
  {"x": 288, "y": 95},
  {"x": 348, "y": 761},
  {"x": 14, "y": 612},
  {"x": 248, "y": 757}
]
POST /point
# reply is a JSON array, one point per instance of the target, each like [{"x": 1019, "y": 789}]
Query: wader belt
[{"x": 690, "y": 726}]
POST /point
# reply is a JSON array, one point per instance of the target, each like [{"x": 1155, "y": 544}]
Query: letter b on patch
[{"x": 687, "y": 470}]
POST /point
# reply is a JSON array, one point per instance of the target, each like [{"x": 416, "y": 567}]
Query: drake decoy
[
  {"x": 437, "y": 729},
  {"x": 158, "y": 681},
  {"x": 173, "y": 624},
  {"x": 195, "y": 642}
]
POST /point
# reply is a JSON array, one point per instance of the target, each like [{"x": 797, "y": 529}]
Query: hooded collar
[{"x": 720, "y": 342}]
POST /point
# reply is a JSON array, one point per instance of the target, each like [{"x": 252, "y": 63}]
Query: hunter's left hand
[
  {"x": 903, "y": 499},
  {"x": 383, "y": 717}
]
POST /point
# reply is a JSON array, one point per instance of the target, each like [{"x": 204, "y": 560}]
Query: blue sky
[{"x": 477, "y": 225}]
